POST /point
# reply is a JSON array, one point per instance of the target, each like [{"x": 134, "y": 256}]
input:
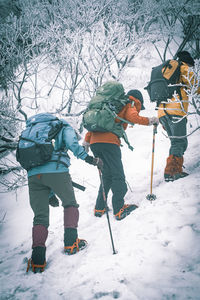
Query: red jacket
[{"x": 128, "y": 112}]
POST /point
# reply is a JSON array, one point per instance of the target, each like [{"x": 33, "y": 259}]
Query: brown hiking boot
[
  {"x": 171, "y": 166},
  {"x": 174, "y": 168}
]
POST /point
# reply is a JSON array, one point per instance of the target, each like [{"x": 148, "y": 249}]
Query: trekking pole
[
  {"x": 106, "y": 206},
  {"x": 78, "y": 186},
  {"x": 151, "y": 197}
]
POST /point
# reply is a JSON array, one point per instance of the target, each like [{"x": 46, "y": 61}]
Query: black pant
[
  {"x": 113, "y": 175},
  {"x": 176, "y": 127}
]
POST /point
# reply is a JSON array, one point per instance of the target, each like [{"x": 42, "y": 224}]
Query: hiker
[
  {"x": 173, "y": 117},
  {"x": 51, "y": 179},
  {"x": 106, "y": 145}
]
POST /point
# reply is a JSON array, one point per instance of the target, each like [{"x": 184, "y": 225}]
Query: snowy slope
[{"x": 158, "y": 245}]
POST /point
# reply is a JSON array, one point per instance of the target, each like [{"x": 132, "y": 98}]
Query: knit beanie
[
  {"x": 138, "y": 95},
  {"x": 185, "y": 57}
]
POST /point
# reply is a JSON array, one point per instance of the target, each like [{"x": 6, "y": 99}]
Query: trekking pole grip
[{"x": 155, "y": 126}]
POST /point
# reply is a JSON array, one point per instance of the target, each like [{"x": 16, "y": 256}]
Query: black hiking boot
[
  {"x": 71, "y": 241},
  {"x": 125, "y": 211},
  {"x": 37, "y": 262},
  {"x": 99, "y": 212},
  {"x": 80, "y": 244}
]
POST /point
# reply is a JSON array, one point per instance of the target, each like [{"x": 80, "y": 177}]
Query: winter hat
[
  {"x": 185, "y": 57},
  {"x": 138, "y": 95}
]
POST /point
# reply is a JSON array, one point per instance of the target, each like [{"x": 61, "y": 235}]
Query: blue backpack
[{"x": 35, "y": 146}]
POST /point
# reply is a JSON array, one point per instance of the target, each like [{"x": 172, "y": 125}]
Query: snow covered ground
[{"x": 158, "y": 245}]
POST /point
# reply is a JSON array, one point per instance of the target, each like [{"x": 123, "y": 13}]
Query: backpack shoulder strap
[
  {"x": 165, "y": 65},
  {"x": 122, "y": 121}
]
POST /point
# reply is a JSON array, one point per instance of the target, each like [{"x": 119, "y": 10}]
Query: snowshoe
[
  {"x": 125, "y": 211},
  {"x": 169, "y": 178},
  {"x": 35, "y": 268},
  {"x": 37, "y": 262},
  {"x": 180, "y": 175},
  {"x": 99, "y": 212},
  {"x": 80, "y": 244}
]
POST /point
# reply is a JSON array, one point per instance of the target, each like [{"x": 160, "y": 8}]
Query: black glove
[
  {"x": 95, "y": 161},
  {"x": 53, "y": 201}
]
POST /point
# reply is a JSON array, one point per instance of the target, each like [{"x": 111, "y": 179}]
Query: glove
[
  {"x": 153, "y": 121},
  {"x": 86, "y": 145},
  {"x": 53, "y": 201},
  {"x": 98, "y": 162},
  {"x": 95, "y": 161}
]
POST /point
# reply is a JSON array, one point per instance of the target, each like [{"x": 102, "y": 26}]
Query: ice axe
[{"x": 151, "y": 197}]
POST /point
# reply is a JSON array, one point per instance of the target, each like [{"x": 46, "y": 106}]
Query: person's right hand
[
  {"x": 95, "y": 161},
  {"x": 98, "y": 162}
]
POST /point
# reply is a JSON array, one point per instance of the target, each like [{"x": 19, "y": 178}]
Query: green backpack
[{"x": 103, "y": 108}]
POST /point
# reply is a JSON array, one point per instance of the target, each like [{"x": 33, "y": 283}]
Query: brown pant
[{"x": 40, "y": 187}]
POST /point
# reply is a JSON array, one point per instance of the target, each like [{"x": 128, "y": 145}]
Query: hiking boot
[
  {"x": 125, "y": 211},
  {"x": 172, "y": 166},
  {"x": 37, "y": 262},
  {"x": 176, "y": 176},
  {"x": 99, "y": 212},
  {"x": 76, "y": 247},
  {"x": 72, "y": 244}
]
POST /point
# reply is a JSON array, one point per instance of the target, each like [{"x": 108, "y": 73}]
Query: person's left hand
[{"x": 53, "y": 201}]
